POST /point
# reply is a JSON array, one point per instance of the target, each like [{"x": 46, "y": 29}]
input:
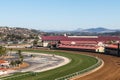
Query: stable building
[
  {"x": 86, "y": 43},
  {"x": 113, "y": 49},
  {"x": 46, "y": 40}
]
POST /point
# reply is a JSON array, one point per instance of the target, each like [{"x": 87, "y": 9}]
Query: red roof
[
  {"x": 112, "y": 46},
  {"x": 64, "y": 38},
  {"x": 79, "y": 42},
  {"x": 3, "y": 69},
  {"x": 80, "y": 39},
  {"x": 78, "y": 47},
  {"x": 50, "y": 38},
  {"x": 2, "y": 61},
  {"x": 108, "y": 38}
]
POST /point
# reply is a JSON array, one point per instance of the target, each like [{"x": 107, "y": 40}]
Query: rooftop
[{"x": 82, "y": 38}]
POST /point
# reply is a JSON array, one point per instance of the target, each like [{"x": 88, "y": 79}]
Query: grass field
[{"x": 78, "y": 63}]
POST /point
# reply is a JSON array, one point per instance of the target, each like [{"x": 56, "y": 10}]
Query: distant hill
[
  {"x": 88, "y": 32},
  {"x": 18, "y": 30},
  {"x": 17, "y": 33},
  {"x": 96, "y": 30}
]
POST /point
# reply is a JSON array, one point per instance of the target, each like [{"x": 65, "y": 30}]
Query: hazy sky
[{"x": 60, "y": 14}]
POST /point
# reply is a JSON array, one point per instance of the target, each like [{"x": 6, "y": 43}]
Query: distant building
[
  {"x": 113, "y": 49},
  {"x": 46, "y": 40},
  {"x": 4, "y": 63}
]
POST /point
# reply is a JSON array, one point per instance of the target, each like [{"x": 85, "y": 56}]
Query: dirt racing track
[{"x": 110, "y": 70}]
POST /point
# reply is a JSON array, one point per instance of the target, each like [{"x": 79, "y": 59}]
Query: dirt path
[{"x": 110, "y": 70}]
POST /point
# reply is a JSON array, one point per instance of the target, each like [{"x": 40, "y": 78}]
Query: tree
[
  {"x": 10, "y": 51},
  {"x": 12, "y": 63},
  {"x": 2, "y": 50},
  {"x": 18, "y": 62},
  {"x": 20, "y": 56},
  {"x": 35, "y": 42}
]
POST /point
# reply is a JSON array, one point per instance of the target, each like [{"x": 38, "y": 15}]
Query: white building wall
[
  {"x": 100, "y": 49},
  {"x": 45, "y": 43}
]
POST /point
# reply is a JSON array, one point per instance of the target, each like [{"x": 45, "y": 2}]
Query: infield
[{"x": 78, "y": 62}]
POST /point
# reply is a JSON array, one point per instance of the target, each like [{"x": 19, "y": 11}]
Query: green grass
[{"x": 78, "y": 63}]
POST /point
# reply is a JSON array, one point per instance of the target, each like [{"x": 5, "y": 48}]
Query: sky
[{"x": 60, "y": 14}]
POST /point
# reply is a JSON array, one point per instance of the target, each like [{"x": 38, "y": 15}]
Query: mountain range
[
  {"x": 89, "y": 30},
  {"x": 96, "y": 30}
]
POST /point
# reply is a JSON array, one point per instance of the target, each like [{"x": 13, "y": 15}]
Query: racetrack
[
  {"x": 110, "y": 70},
  {"x": 78, "y": 63}
]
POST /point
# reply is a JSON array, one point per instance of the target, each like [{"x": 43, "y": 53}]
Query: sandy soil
[
  {"x": 110, "y": 70},
  {"x": 8, "y": 57},
  {"x": 54, "y": 62},
  {"x": 23, "y": 65}
]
